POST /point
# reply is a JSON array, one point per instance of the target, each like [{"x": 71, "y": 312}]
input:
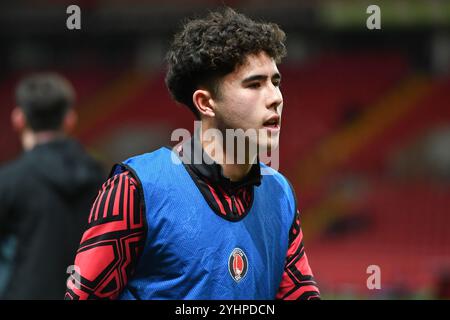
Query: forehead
[{"x": 255, "y": 64}]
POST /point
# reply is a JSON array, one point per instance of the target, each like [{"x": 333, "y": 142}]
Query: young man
[
  {"x": 45, "y": 193},
  {"x": 166, "y": 230}
]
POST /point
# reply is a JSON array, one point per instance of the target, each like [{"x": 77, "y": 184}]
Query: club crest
[{"x": 237, "y": 264}]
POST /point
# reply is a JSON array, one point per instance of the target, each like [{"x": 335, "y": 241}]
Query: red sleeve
[
  {"x": 297, "y": 281},
  {"x": 112, "y": 243}
]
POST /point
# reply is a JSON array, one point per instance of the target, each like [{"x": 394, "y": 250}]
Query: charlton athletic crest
[{"x": 237, "y": 264}]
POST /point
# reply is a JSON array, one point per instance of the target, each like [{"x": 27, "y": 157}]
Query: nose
[{"x": 274, "y": 97}]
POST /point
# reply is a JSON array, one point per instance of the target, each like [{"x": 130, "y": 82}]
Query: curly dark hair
[{"x": 207, "y": 49}]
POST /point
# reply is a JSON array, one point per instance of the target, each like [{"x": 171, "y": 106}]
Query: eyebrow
[{"x": 256, "y": 77}]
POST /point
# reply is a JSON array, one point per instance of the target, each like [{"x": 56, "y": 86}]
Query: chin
[{"x": 269, "y": 145}]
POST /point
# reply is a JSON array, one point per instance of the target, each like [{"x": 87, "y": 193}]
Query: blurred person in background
[
  {"x": 208, "y": 230},
  {"x": 45, "y": 194}
]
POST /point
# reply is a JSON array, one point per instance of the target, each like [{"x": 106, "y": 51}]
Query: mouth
[{"x": 273, "y": 123}]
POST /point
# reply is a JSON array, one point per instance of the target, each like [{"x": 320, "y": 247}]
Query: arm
[
  {"x": 297, "y": 281},
  {"x": 112, "y": 243}
]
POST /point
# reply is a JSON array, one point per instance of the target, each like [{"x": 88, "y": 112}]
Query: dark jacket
[{"x": 45, "y": 199}]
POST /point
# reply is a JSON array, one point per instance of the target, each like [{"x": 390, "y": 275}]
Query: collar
[{"x": 211, "y": 171}]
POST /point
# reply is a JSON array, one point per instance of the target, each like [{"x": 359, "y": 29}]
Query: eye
[
  {"x": 254, "y": 85},
  {"x": 277, "y": 83}
]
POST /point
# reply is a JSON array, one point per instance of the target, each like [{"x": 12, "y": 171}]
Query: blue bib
[{"x": 192, "y": 253}]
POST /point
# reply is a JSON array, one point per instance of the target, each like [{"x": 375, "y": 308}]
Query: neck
[
  {"x": 31, "y": 139},
  {"x": 217, "y": 150}
]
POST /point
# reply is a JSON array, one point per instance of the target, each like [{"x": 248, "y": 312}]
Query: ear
[
  {"x": 204, "y": 103},
  {"x": 70, "y": 120},
  {"x": 18, "y": 119}
]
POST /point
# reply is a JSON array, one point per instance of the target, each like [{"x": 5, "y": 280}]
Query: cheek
[{"x": 241, "y": 110}]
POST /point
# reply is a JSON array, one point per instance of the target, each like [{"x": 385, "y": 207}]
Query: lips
[{"x": 272, "y": 122}]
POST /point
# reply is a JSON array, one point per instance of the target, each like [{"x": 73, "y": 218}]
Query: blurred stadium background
[{"x": 366, "y": 124}]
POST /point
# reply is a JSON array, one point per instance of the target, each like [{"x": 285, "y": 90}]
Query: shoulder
[
  {"x": 150, "y": 164},
  {"x": 14, "y": 170},
  {"x": 13, "y": 176},
  {"x": 277, "y": 178},
  {"x": 148, "y": 168},
  {"x": 159, "y": 154}
]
